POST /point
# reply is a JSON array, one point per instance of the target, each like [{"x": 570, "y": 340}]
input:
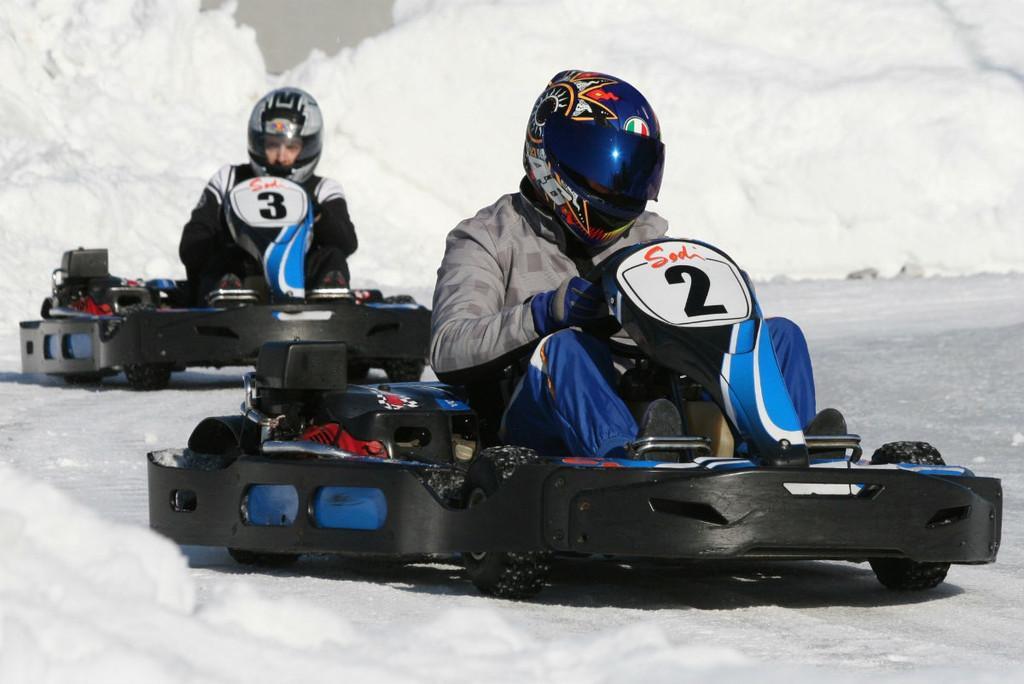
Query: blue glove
[{"x": 574, "y": 302}]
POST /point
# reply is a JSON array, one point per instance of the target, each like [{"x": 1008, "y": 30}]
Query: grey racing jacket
[{"x": 493, "y": 264}]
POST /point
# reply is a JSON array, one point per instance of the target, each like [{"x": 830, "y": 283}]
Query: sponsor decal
[
  {"x": 635, "y": 124},
  {"x": 656, "y": 257},
  {"x": 280, "y": 127},
  {"x": 263, "y": 183},
  {"x": 395, "y": 402},
  {"x": 451, "y": 404}
]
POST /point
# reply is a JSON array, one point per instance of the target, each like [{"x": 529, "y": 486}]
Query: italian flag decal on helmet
[{"x": 635, "y": 124}]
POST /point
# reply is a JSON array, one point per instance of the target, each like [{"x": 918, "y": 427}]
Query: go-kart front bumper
[
  {"x": 218, "y": 337},
  {"x": 808, "y": 513}
]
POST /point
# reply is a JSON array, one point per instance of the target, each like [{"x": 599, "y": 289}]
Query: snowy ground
[
  {"x": 80, "y": 569},
  {"x": 808, "y": 139}
]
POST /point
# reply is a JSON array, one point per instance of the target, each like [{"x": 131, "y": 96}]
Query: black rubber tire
[
  {"x": 270, "y": 560},
  {"x": 145, "y": 377},
  {"x": 903, "y": 574},
  {"x": 502, "y": 574},
  {"x": 399, "y": 299},
  {"x": 83, "y": 378},
  {"x": 917, "y": 453},
  {"x": 404, "y": 370}
]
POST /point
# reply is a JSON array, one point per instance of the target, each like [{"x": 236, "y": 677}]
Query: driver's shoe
[
  {"x": 229, "y": 281},
  {"x": 333, "y": 279},
  {"x": 660, "y": 419},
  {"x": 829, "y": 422}
]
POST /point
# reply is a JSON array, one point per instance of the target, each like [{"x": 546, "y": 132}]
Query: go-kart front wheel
[
  {"x": 270, "y": 560},
  {"x": 512, "y": 575},
  {"x": 903, "y": 574},
  {"x": 83, "y": 378},
  {"x": 145, "y": 377}
]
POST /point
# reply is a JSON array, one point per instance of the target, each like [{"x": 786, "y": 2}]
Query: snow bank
[
  {"x": 112, "y": 113},
  {"x": 75, "y": 590},
  {"x": 87, "y": 600},
  {"x": 810, "y": 139}
]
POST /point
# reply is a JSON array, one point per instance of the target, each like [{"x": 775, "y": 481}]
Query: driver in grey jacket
[{"x": 511, "y": 286}]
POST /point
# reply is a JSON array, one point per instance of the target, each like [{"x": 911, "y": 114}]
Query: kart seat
[{"x": 704, "y": 419}]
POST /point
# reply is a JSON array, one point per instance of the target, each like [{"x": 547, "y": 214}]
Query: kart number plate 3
[{"x": 268, "y": 202}]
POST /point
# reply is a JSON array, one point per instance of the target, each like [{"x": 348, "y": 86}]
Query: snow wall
[{"x": 810, "y": 138}]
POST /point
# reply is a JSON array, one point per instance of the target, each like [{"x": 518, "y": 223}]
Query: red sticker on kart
[
  {"x": 685, "y": 283},
  {"x": 395, "y": 402}
]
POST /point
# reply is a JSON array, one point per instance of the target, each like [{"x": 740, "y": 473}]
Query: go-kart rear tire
[
  {"x": 145, "y": 377},
  {"x": 916, "y": 453},
  {"x": 404, "y": 371},
  {"x": 903, "y": 574},
  {"x": 502, "y": 574},
  {"x": 269, "y": 560}
]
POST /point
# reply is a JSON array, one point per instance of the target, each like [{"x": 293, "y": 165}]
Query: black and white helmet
[{"x": 286, "y": 113}]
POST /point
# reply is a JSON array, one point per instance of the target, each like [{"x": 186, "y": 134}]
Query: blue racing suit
[{"x": 566, "y": 402}]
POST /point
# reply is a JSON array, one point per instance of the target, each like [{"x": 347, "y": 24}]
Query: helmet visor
[
  {"x": 619, "y": 167},
  {"x": 309, "y": 145}
]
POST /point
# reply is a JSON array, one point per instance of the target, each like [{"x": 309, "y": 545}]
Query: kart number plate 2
[
  {"x": 685, "y": 283},
  {"x": 268, "y": 202}
]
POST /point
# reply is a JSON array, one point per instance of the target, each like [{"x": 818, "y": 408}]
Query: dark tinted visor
[{"x": 622, "y": 168}]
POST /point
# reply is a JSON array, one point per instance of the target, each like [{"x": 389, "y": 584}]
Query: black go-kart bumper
[
  {"x": 219, "y": 337},
  {"x": 656, "y": 513}
]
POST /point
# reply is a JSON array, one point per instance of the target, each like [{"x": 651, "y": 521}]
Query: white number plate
[
  {"x": 685, "y": 283},
  {"x": 268, "y": 202}
]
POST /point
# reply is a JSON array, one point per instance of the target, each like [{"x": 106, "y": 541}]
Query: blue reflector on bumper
[
  {"x": 350, "y": 508},
  {"x": 78, "y": 346},
  {"x": 270, "y": 505}
]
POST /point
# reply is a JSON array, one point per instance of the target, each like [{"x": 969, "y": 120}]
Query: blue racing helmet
[{"x": 594, "y": 153}]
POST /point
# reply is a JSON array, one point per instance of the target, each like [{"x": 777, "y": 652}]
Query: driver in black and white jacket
[{"x": 284, "y": 141}]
